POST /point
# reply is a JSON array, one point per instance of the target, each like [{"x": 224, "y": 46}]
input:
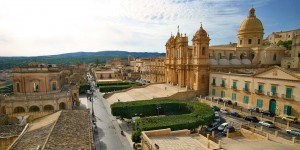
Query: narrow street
[{"x": 107, "y": 134}]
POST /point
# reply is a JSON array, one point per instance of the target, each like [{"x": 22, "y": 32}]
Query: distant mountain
[{"x": 71, "y": 58}]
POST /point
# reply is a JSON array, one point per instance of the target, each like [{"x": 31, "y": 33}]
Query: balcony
[
  {"x": 246, "y": 90},
  {"x": 234, "y": 88},
  {"x": 213, "y": 84},
  {"x": 284, "y": 96},
  {"x": 259, "y": 92},
  {"x": 222, "y": 85},
  {"x": 271, "y": 94}
]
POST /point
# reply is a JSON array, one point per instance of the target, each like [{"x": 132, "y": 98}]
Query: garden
[{"x": 163, "y": 113}]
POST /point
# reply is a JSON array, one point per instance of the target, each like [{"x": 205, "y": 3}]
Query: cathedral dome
[
  {"x": 201, "y": 32},
  {"x": 251, "y": 24}
]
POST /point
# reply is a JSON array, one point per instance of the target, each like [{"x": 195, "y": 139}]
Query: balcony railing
[
  {"x": 284, "y": 96},
  {"x": 260, "y": 92},
  {"x": 222, "y": 85},
  {"x": 246, "y": 90},
  {"x": 213, "y": 84},
  {"x": 271, "y": 94},
  {"x": 234, "y": 87}
]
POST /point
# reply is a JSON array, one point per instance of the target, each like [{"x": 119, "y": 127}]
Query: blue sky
[{"x": 44, "y": 27}]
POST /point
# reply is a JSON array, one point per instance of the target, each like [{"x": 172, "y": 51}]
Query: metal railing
[
  {"x": 284, "y": 96},
  {"x": 260, "y": 92},
  {"x": 271, "y": 94},
  {"x": 234, "y": 87}
]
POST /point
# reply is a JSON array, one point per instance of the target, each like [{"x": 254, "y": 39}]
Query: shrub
[
  {"x": 83, "y": 88},
  {"x": 192, "y": 114},
  {"x": 136, "y": 136}
]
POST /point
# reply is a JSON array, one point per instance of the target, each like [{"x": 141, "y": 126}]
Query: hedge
[
  {"x": 192, "y": 114},
  {"x": 112, "y": 86},
  {"x": 84, "y": 87}
]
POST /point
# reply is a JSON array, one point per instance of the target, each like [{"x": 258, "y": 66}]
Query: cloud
[{"x": 49, "y": 27}]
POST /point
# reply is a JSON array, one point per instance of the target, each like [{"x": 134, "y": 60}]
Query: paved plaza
[{"x": 147, "y": 93}]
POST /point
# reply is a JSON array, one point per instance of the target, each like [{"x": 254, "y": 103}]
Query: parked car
[
  {"x": 268, "y": 124},
  {"x": 235, "y": 114},
  {"x": 255, "y": 109},
  {"x": 219, "y": 99},
  {"x": 290, "y": 119},
  {"x": 268, "y": 113},
  {"x": 217, "y": 117},
  {"x": 228, "y": 102},
  {"x": 215, "y": 108},
  {"x": 222, "y": 126},
  {"x": 224, "y": 111},
  {"x": 294, "y": 132},
  {"x": 230, "y": 128},
  {"x": 213, "y": 126},
  {"x": 251, "y": 119}
]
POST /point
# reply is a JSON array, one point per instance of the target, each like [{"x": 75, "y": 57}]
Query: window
[
  {"x": 246, "y": 99},
  {"x": 233, "y": 97},
  {"x": 259, "y": 103},
  {"x": 273, "y": 89},
  {"x": 18, "y": 87},
  {"x": 258, "y": 41},
  {"x": 260, "y": 88},
  {"x": 214, "y": 81},
  {"x": 230, "y": 56},
  {"x": 241, "y": 42},
  {"x": 249, "y": 41},
  {"x": 288, "y": 93},
  {"x": 246, "y": 86},
  {"x": 53, "y": 86},
  {"x": 213, "y": 92},
  {"x": 234, "y": 85},
  {"x": 274, "y": 57},
  {"x": 223, "y": 83},
  {"x": 222, "y": 94},
  {"x": 287, "y": 110},
  {"x": 35, "y": 87},
  {"x": 220, "y": 56},
  {"x": 298, "y": 54},
  {"x": 203, "y": 51}
]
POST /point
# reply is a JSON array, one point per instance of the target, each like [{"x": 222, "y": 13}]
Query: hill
[{"x": 71, "y": 58}]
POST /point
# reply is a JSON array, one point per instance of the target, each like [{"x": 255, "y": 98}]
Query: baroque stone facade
[{"x": 40, "y": 88}]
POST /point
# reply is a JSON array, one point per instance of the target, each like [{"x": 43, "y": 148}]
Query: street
[{"x": 107, "y": 133}]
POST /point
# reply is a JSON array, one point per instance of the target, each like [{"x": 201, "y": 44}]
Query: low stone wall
[{"x": 12, "y": 118}]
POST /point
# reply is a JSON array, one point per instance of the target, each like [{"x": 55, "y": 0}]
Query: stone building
[
  {"x": 187, "y": 66},
  {"x": 39, "y": 88},
  {"x": 291, "y": 61},
  {"x": 275, "y": 89},
  {"x": 275, "y": 37},
  {"x": 155, "y": 70},
  {"x": 250, "y": 48},
  {"x": 117, "y": 62},
  {"x": 106, "y": 74}
]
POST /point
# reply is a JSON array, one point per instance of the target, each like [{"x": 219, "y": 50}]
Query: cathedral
[{"x": 189, "y": 66}]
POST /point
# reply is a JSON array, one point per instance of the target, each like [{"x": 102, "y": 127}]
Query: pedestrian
[{"x": 165, "y": 88}]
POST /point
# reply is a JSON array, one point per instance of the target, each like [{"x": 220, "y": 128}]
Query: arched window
[
  {"x": 18, "y": 87},
  {"x": 34, "y": 109},
  {"x": 274, "y": 57},
  {"x": 230, "y": 56}
]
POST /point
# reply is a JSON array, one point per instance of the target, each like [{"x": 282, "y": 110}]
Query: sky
[{"x": 48, "y": 27}]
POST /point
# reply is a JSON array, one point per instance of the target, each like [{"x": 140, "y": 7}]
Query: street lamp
[{"x": 158, "y": 107}]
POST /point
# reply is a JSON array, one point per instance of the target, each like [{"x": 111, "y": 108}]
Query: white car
[
  {"x": 224, "y": 111},
  {"x": 222, "y": 126},
  {"x": 268, "y": 124},
  {"x": 217, "y": 117},
  {"x": 293, "y": 132}
]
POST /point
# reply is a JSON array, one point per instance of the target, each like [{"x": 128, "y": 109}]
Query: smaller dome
[
  {"x": 235, "y": 62},
  {"x": 246, "y": 62},
  {"x": 224, "y": 62},
  {"x": 201, "y": 32},
  {"x": 213, "y": 62}
]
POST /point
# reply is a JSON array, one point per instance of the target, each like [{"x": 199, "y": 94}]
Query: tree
[{"x": 286, "y": 44}]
